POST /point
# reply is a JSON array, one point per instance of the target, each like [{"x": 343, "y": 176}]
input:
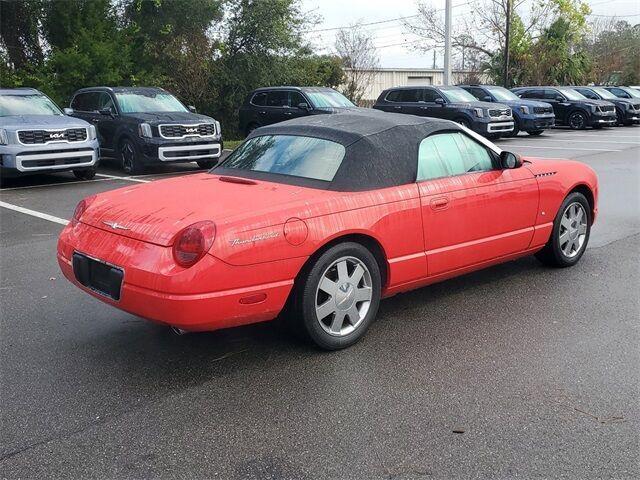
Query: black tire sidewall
[
  {"x": 307, "y": 295},
  {"x": 136, "y": 167},
  {"x": 560, "y": 259},
  {"x": 584, "y": 118}
]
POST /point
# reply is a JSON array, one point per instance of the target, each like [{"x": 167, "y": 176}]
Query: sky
[{"x": 394, "y": 44}]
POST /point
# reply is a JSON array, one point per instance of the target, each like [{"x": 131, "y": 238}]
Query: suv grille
[
  {"x": 178, "y": 131},
  {"x": 636, "y": 106},
  {"x": 542, "y": 109},
  {"x": 32, "y": 137},
  {"x": 607, "y": 109},
  {"x": 497, "y": 112}
]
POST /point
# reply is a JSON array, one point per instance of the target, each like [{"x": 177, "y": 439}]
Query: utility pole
[
  {"x": 505, "y": 76},
  {"x": 447, "y": 43}
]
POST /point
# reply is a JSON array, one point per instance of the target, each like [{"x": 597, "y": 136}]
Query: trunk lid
[{"x": 155, "y": 212}]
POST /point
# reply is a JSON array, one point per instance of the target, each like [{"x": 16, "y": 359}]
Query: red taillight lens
[
  {"x": 81, "y": 208},
  {"x": 191, "y": 244}
]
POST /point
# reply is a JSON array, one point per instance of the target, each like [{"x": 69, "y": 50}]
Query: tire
[
  {"x": 535, "y": 133},
  {"x": 620, "y": 117},
  {"x": 464, "y": 122},
  {"x": 326, "y": 300},
  {"x": 129, "y": 156},
  {"x": 207, "y": 164},
  {"x": 577, "y": 121},
  {"x": 516, "y": 130},
  {"x": 88, "y": 174},
  {"x": 566, "y": 252}
]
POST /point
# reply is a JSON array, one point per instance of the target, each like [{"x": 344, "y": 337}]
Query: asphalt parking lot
[{"x": 518, "y": 371}]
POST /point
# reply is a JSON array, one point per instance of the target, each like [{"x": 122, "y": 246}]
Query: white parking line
[
  {"x": 593, "y": 141},
  {"x": 55, "y": 184},
  {"x": 33, "y": 213},
  {"x": 558, "y": 148},
  {"x": 131, "y": 179},
  {"x": 592, "y": 135}
]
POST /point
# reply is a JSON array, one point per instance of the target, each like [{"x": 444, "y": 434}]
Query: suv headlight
[
  {"x": 91, "y": 132},
  {"x": 4, "y": 139},
  {"x": 524, "y": 109},
  {"x": 218, "y": 128},
  {"x": 144, "y": 130},
  {"x": 479, "y": 112}
]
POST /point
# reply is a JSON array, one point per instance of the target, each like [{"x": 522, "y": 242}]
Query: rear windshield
[{"x": 297, "y": 156}]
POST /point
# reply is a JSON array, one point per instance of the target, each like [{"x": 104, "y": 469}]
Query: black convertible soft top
[{"x": 381, "y": 148}]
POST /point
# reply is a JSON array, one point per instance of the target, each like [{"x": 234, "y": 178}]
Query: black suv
[
  {"x": 528, "y": 115},
  {"x": 627, "y": 110},
  {"x": 268, "y": 105},
  {"x": 451, "y": 103},
  {"x": 140, "y": 126},
  {"x": 572, "y": 108}
]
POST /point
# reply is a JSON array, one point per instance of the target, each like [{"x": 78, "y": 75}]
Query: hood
[
  {"x": 478, "y": 104},
  {"x": 41, "y": 121},
  {"x": 334, "y": 109},
  {"x": 155, "y": 212},
  {"x": 524, "y": 103},
  {"x": 163, "y": 117},
  {"x": 594, "y": 103}
]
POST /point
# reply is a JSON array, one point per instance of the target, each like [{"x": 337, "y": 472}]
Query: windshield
[
  {"x": 305, "y": 157},
  {"x": 36, "y": 104},
  {"x": 328, "y": 99},
  {"x": 131, "y": 102},
  {"x": 458, "y": 95},
  {"x": 604, "y": 93},
  {"x": 501, "y": 93},
  {"x": 631, "y": 91},
  {"x": 571, "y": 94}
]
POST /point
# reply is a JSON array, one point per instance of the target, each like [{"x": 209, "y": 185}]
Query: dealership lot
[{"x": 515, "y": 371}]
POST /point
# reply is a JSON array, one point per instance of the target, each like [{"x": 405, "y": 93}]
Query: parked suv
[
  {"x": 269, "y": 105},
  {"x": 627, "y": 110},
  {"x": 451, "y": 103},
  {"x": 572, "y": 108},
  {"x": 624, "y": 92},
  {"x": 528, "y": 115},
  {"x": 140, "y": 126},
  {"x": 36, "y": 137}
]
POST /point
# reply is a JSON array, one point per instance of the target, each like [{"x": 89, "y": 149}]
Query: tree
[
  {"x": 19, "y": 32},
  {"x": 356, "y": 49},
  {"x": 613, "y": 49}
]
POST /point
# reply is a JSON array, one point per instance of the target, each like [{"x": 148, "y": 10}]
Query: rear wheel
[
  {"x": 464, "y": 122},
  {"x": 87, "y": 174},
  {"x": 570, "y": 235},
  {"x": 130, "y": 157},
  {"x": 339, "y": 297},
  {"x": 577, "y": 121},
  {"x": 535, "y": 133}
]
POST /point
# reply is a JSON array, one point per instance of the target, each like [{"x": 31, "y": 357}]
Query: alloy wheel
[
  {"x": 343, "y": 296},
  {"x": 128, "y": 155},
  {"x": 573, "y": 230},
  {"x": 577, "y": 121}
]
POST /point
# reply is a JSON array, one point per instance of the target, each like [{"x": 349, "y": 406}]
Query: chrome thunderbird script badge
[
  {"x": 255, "y": 238},
  {"x": 116, "y": 226}
]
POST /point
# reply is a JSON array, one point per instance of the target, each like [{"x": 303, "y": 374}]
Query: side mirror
[
  {"x": 559, "y": 98},
  {"x": 106, "y": 111},
  {"x": 304, "y": 106},
  {"x": 68, "y": 111},
  {"x": 439, "y": 101},
  {"x": 510, "y": 160},
  {"x": 192, "y": 109},
  {"x": 487, "y": 99}
]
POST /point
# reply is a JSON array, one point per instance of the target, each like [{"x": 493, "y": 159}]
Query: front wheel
[
  {"x": 577, "y": 121},
  {"x": 130, "y": 157},
  {"x": 570, "y": 235},
  {"x": 339, "y": 297},
  {"x": 535, "y": 133},
  {"x": 87, "y": 174},
  {"x": 464, "y": 122}
]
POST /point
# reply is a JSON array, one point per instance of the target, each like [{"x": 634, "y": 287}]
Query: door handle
[
  {"x": 287, "y": 113},
  {"x": 439, "y": 203},
  {"x": 263, "y": 113},
  {"x": 398, "y": 108}
]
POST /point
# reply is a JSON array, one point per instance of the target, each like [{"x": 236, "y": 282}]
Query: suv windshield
[
  {"x": 501, "y": 93},
  {"x": 634, "y": 93},
  {"x": 571, "y": 94},
  {"x": 604, "y": 93},
  {"x": 458, "y": 95},
  {"x": 36, "y": 104},
  {"x": 306, "y": 157},
  {"x": 137, "y": 102},
  {"x": 328, "y": 99}
]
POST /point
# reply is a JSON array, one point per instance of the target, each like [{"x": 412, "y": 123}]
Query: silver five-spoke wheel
[
  {"x": 573, "y": 229},
  {"x": 343, "y": 296}
]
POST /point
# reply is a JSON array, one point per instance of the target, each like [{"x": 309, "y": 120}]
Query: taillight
[
  {"x": 81, "y": 208},
  {"x": 193, "y": 242}
]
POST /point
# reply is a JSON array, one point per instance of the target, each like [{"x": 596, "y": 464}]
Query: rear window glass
[{"x": 297, "y": 156}]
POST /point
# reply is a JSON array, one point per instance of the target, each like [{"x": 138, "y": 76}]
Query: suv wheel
[
  {"x": 87, "y": 174},
  {"x": 535, "y": 133},
  {"x": 338, "y": 298},
  {"x": 130, "y": 157},
  {"x": 464, "y": 122},
  {"x": 577, "y": 121}
]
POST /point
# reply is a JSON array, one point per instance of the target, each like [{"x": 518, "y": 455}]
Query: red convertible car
[{"x": 323, "y": 216}]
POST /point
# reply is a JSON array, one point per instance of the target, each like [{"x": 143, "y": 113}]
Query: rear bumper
[{"x": 156, "y": 289}]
